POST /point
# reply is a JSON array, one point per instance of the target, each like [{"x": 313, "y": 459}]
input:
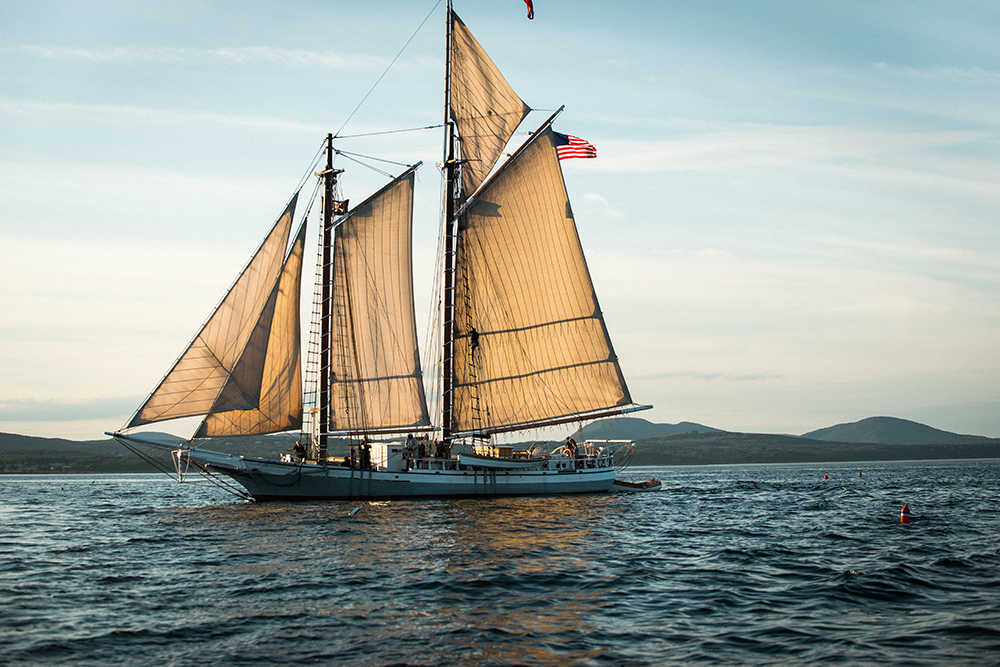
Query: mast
[
  {"x": 450, "y": 242},
  {"x": 326, "y": 316}
]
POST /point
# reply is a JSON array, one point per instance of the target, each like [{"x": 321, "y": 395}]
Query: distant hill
[
  {"x": 723, "y": 447},
  {"x": 686, "y": 443},
  {"x": 632, "y": 428},
  {"x": 28, "y": 454},
  {"x": 891, "y": 431},
  {"x": 10, "y": 442}
]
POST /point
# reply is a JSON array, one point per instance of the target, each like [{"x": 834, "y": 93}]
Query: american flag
[{"x": 568, "y": 146}]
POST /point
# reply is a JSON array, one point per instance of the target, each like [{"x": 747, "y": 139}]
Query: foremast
[{"x": 370, "y": 380}]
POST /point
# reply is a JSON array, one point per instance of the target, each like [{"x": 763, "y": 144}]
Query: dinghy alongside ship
[
  {"x": 623, "y": 486},
  {"x": 523, "y": 343}
]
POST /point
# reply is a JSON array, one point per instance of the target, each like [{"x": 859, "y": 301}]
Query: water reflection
[{"x": 504, "y": 580}]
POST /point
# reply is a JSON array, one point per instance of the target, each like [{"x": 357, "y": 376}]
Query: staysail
[
  {"x": 377, "y": 384},
  {"x": 530, "y": 340},
  {"x": 264, "y": 392},
  {"x": 484, "y": 107},
  {"x": 198, "y": 378}
]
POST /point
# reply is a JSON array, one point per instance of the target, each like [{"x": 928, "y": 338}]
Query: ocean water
[{"x": 749, "y": 564}]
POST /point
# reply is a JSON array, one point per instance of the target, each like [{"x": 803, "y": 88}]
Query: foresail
[
  {"x": 377, "y": 383},
  {"x": 264, "y": 391},
  {"x": 198, "y": 377},
  {"x": 530, "y": 344},
  {"x": 484, "y": 106}
]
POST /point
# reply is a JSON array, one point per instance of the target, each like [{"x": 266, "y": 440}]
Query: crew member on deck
[
  {"x": 409, "y": 450},
  {"x": 570, "y": 447},
  {"x": 299, "y": 450}
]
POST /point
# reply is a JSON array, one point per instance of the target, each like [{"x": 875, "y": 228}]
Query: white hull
[
  {"x": 275, "y": 480},
  {"x": 390, "y": 477}
]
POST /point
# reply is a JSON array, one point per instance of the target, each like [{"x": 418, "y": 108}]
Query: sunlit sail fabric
[
  {"x": 264, "y": 391},
  {"x": 377, "y": 383},
  {"x": 485, "y": 108},
  {"x": 530, "y": 344},
  {"x": 198, "y": 377}
]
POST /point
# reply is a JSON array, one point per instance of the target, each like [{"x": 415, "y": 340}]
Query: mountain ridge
[
  {"x": 892, "y": 431},
  {"x": 684, "y": 443},
  {"x": 635, "y": 428}
]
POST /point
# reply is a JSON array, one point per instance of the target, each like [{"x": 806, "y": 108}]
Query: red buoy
[
  {"x": 904, "y": 516},
  {"x": 826, "y": 477}
]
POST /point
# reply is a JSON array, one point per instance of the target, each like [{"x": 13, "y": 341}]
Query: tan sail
[
  {"x": 198, "y": 377},
  {"x": 484, "y": 106},
  {"x": 530, "y": 344},
  {"x": 264, "y": 392},
  {"x": 377, "y": 384}
]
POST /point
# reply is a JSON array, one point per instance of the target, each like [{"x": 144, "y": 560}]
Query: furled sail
[
  {"x": 264, "y": 391},
  {"x": 199, "y": 376},
  {"x": 377, "y": 383},
  {"x": 484, "y": 106},
  {"x": 530, "y": 345}
]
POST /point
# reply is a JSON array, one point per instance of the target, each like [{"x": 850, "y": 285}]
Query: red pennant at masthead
[{"x": 568, "y": 146}]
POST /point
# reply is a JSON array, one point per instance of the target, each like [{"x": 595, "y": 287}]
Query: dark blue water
[{"x": 726, "y": 565}]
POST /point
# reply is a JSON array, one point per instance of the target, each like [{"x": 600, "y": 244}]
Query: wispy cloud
[
  {"x": 754, "y": 145},
  {"x": 22, "y": 410},
  {"x": 119, "y": 113},
  {"x": 238, "y": 55},
  {"x": 710, "y": 377},
  {"x": 601, "y": 206},
  {"x": 941, "y": 73}
]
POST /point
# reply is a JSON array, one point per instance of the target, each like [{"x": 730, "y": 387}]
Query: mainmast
[
  {"x": 326, "y": 307},
  {"x": 452, "y": 187}
]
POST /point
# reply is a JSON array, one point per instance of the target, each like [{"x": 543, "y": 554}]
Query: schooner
[{"x": 523, "y": 342}]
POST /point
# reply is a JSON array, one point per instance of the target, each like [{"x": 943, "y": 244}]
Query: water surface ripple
[{"x": 751, "y": 564}]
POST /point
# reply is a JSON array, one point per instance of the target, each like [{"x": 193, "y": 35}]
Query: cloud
[
  {"x": 941, "y": 73},
  {"x": 245, "y": 55},
  {"x": 600, "y": 205},
  {"x": 739, "y": 146},
  {"x": 118, "y": 114},
  {"x": 709, "y": 377},
  {"x": 27, "y": 410}
]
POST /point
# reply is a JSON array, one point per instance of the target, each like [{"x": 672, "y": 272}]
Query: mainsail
[
  {"x": 201, "y": 374},
  {"x": 530, "y": 341},
  {"x": 377, "y": 384},
  {"x": 484, "y": 107}
]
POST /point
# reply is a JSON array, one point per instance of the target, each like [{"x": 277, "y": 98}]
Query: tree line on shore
[{"x": 26, "y": 455}]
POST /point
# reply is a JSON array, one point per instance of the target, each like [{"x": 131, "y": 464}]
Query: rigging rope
[
  {"x": 363, "y": 99},
  {"x": 349, "y": 154},
  {"x": 376, "y": 134},
  {"x": 312, "y": 165},
  {"x": 367, "y": 166}
]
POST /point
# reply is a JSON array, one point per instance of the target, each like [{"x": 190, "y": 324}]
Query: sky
[{"x": 793, "y": 221}]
